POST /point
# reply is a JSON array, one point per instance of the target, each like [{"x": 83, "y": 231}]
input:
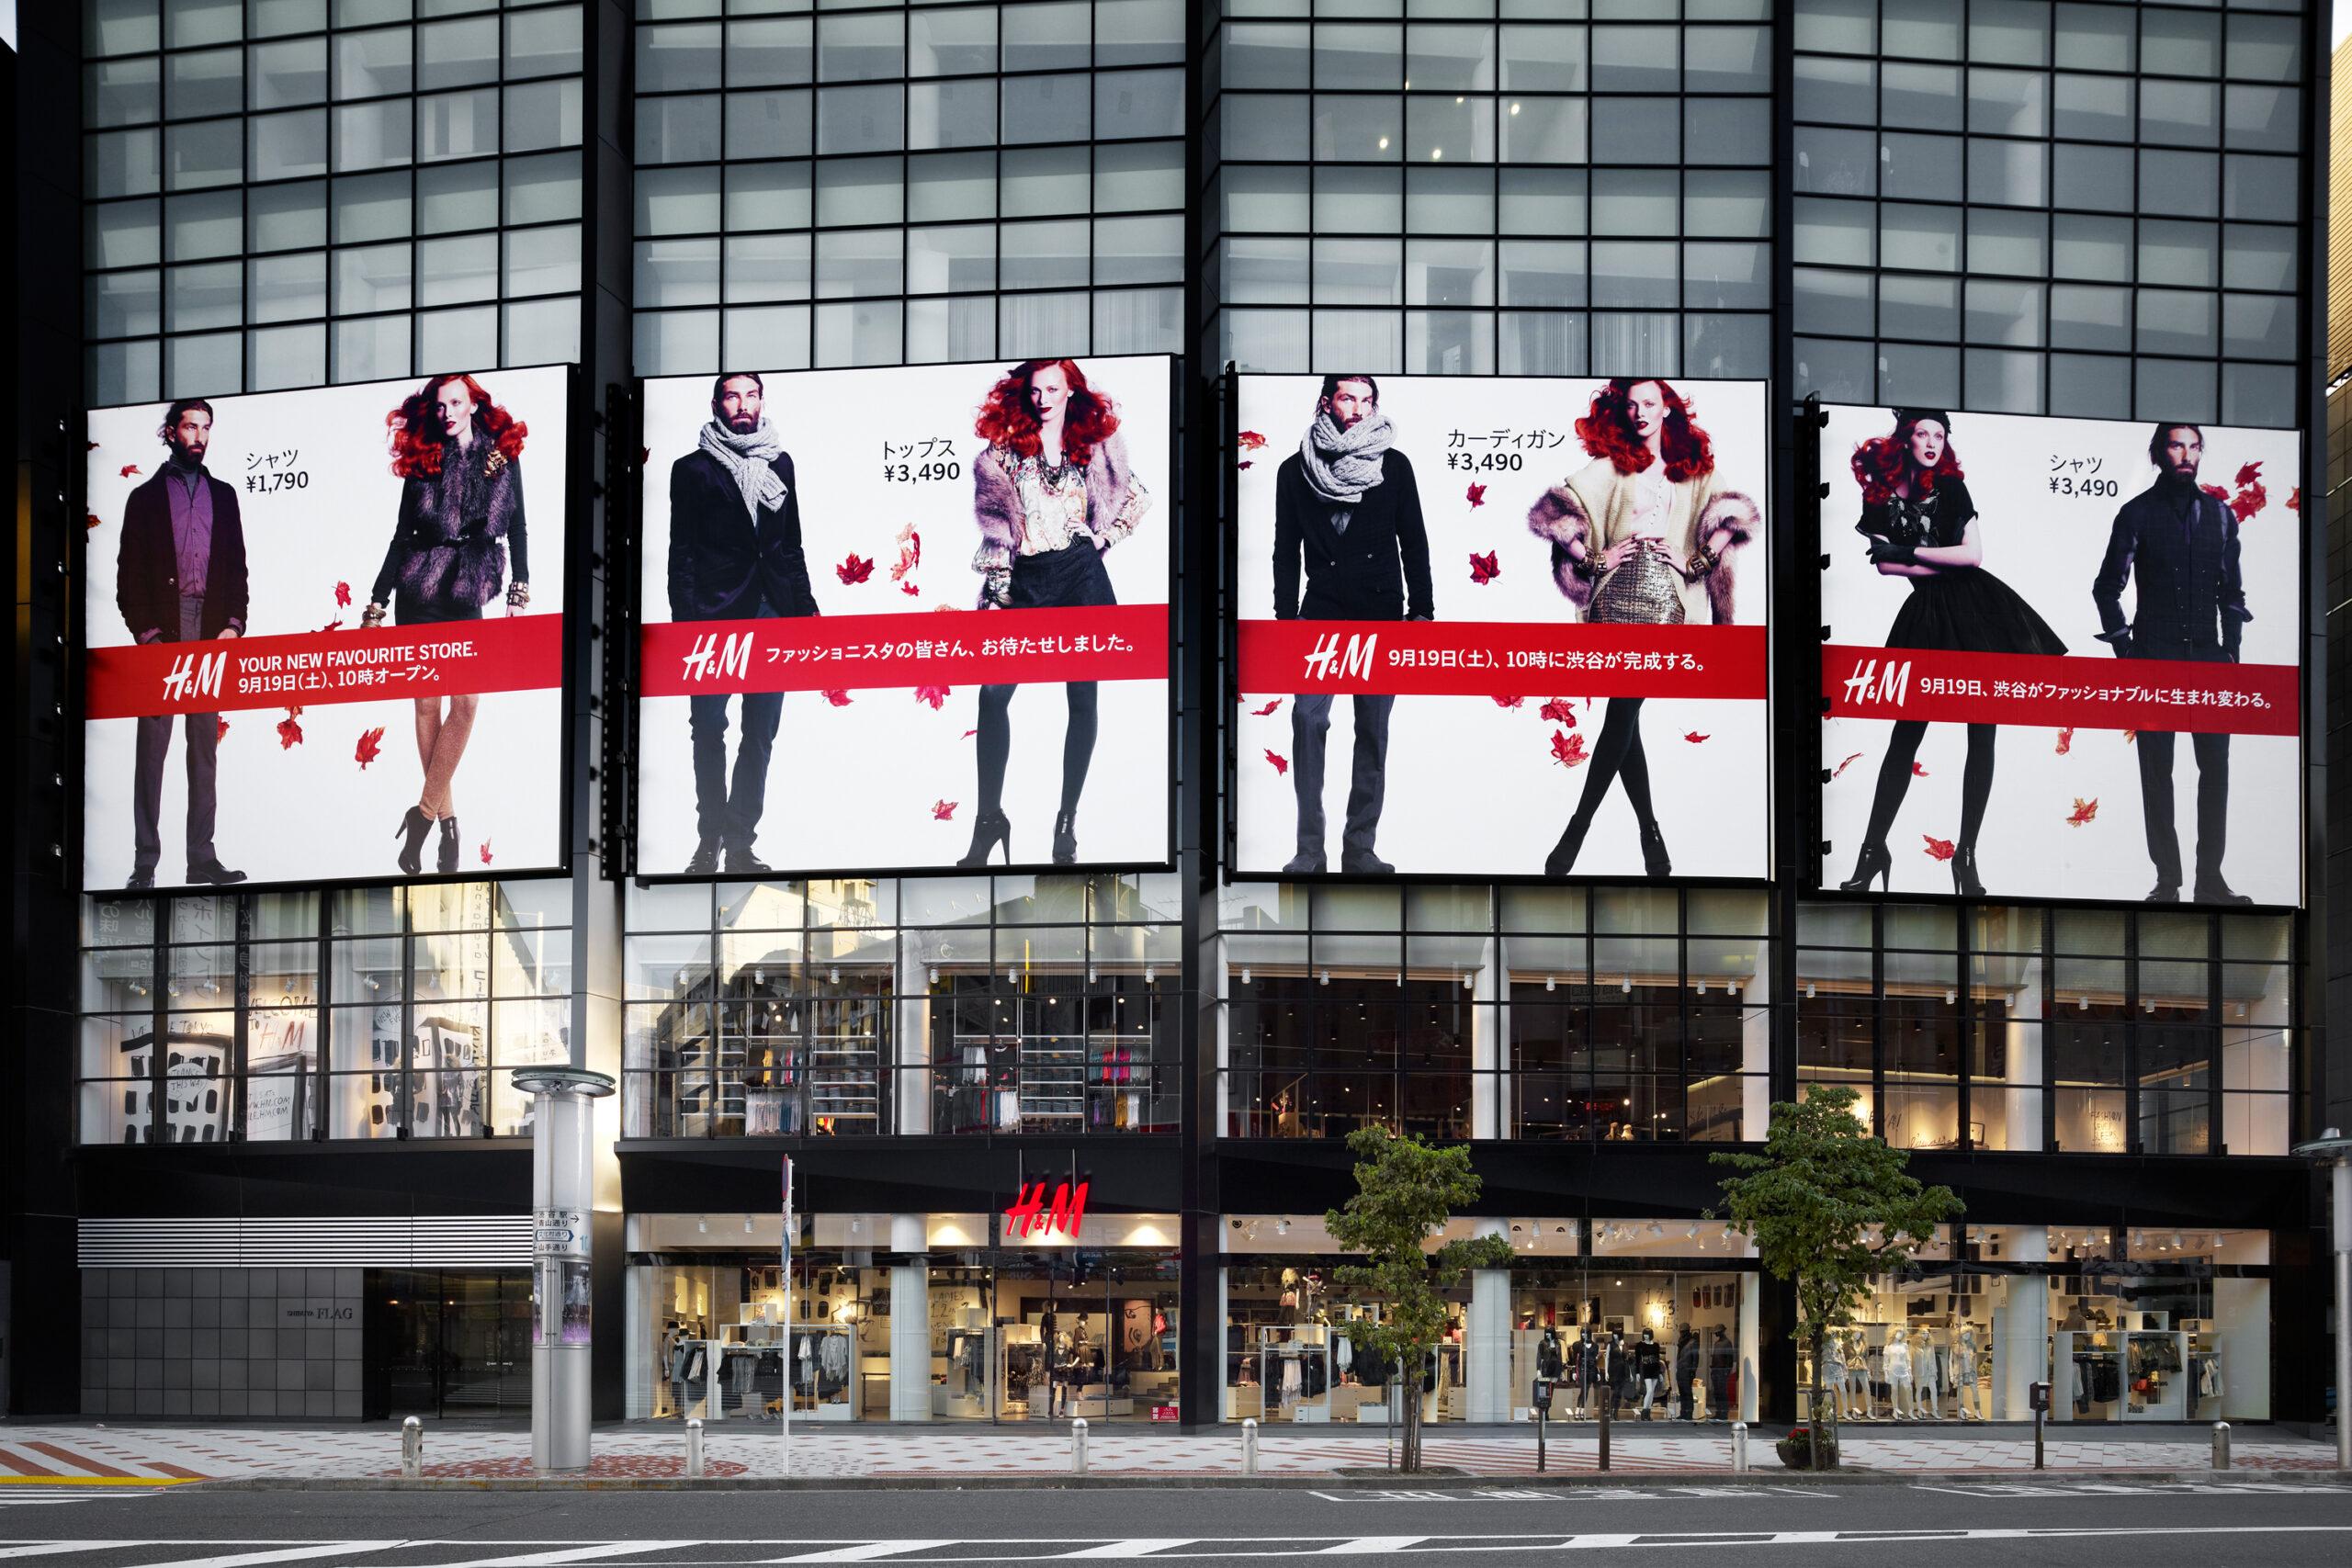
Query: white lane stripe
[
  {"x": 866, "y": 1552},
  {"x": 1363, "y": 1544},
  {"x": 582, "y": 1553},
  {"x": 1140, "y": 1548},
  {"x": 50, "y": 1548},
  {"x": 283, "y": 1554}
]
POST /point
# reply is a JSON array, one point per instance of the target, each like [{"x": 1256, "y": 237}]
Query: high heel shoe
[
  {"x": 1654, "y": 856},
  {"x": 1873, "y": 861},
  {"x": 1065, "y": 840},
  {"x": 449, "y": 860},
  {"x": 990, "y": 829},
  {"x": 1563, "y": 858},
  {"x": 1964, "y": 880},
  {"x": 413, "y": 827}
]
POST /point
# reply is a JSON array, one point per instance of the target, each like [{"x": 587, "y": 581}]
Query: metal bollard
[
  {"x": 1077, "y": 1445},
  {"x": 694, "y": 1449},
  {"x": 2220, "y": 1445},
  {"x": 1250, "y": 1447},
  {"x": 411, "y": 1450},
  {"x": 1740, "y": 1447}
]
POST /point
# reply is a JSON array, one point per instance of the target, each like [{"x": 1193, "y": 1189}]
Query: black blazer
[
  {"x": 720, "y": 564},
  {"x": 2191, "y": 599},
  {"x": 147, "y": 569},
  {"x": 1377, "y": 570}
]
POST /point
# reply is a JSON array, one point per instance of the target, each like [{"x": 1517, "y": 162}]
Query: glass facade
[{"x": 289, "y": 192}]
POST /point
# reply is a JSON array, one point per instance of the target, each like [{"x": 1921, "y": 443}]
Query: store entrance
[{"x": 448, "y": 1345}]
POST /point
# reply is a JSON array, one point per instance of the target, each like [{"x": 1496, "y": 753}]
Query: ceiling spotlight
[
  {"x": 2177, "y": 1242},
  {"x": 1281, "y": 1228},
  {"x": 1324, "y": 978},
  {"x": 1691, "y": 1235},
  {"x": 934, "y": 976},
  {"x": 1245, "y": 973},
  {"x": 747, "y": 1225},
  {"x": 1808, "y": 990},
  {"x": 1657, "y": 1231},
  {"x": 2082, "y": 1003},
  {"x": 1150, "y": 974},
  {"x": 1950, "y": 997},
  {"x": 1626, "y": 985},
  {"x": 1548, "y": 983},
  {"x": 703, "y": 1225}
]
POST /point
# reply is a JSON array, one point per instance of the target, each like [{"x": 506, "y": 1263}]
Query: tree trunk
[
  {"x": 1410, "y": 1391},
  {"x": 1822, "y": 1425}
]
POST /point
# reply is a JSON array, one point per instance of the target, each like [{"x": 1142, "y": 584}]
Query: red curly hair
[
  {"x": 1608, "y": 432},
  {"x": 1881, "y": 462},
  {"x": 1007, "y": 420},
  {"x": 416, "y": 428}
]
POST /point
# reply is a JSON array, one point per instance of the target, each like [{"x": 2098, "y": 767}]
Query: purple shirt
[{"x": 190, "y": 499}]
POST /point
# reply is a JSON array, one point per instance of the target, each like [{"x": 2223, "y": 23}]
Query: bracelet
[
  {"x": 1700, "y": 562},
  {"x": 1583, "y": 568}
]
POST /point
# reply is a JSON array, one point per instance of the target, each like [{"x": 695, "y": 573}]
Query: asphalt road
[{"x": 2277, "y": 1524}]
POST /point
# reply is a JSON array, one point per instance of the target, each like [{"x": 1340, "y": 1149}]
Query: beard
[{"x": 742, "y": 423}]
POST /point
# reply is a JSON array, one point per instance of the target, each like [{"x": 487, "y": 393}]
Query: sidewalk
[{"x": 123, "y": 1455}]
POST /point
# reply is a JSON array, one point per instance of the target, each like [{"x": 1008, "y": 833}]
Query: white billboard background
[
  {"x": 2048, "y": 547},
  {"x": 1473, "y": 787},
  {"x": 859, "y": 785},
  {"x": 308, "y": 811}
]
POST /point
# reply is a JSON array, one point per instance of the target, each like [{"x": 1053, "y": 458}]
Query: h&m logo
[
  {"x": 194, "y": 675},
  {"x": 1327, "y": 663},
  {"x": 1029, "y": 1216},
  {"x": 1893, "y": 682},
  {"x": 709, "y": 661}
]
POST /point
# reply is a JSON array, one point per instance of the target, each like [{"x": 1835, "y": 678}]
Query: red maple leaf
[
  {"x": 1918, "y": 772},
  {"x": 1260, "y": 713},
  {"x": 2084, "y": 811},
  {"x": 1476, "y": 496},
  {"x": 1282, "y": 763},
  {"x": 1693, "y": 737},
  {"x": 2248, "y": 474},
  {"x": 89, "y": 445},
  {"x": 220, "y": 727},
  {"x": 332, "y": 624},
  {"x": 967, "y": 734},
  {"x": 1566, "y": 749},
  {"x": 1511, "y": 702},
  {"x": 2130, "y": 736},
  {"x": 2217, "y": 492},
  {"x": 839, "y": 699},
  {"x": 290, "y": 729},
  {"x": 2066, "y": 741},
  {"x": 129, "y": 469},
  {"x": 944, "y": 810},
  {"x": 89, "y": 520},
  {"x": 935, "y": 695},
  {"x": 370, "y": 742},
  {"x": 856, "y": 570},
  {"x": 1938, "y": 849},
  {"x": 343, "y": 596},
  {"x": 1484, "y": 568},
  {"x": 1557, "y": 711},
  {"x": 910, "y": 553},
  {"x": 909, "y": 589},
  {"x": 2295, "y": 498},
  {"x": 2248, "y": 501},
  {"x": 1844, "y": 765},
  {"x": 1250, "y": 441},
  {"x": 485, "y": 851}
]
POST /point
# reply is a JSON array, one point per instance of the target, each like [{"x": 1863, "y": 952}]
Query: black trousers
[
  {"x": 2212, "y": 753},
  {"x": 154, "y": 748},
  {"x": 725, "y": 810},
  {"x": 1310, "y": 728}
]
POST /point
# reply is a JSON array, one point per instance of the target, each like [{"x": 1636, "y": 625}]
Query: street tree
[
  {"x": 1405, "y": 1190},
  {"x": 1832, "y": 1208}
]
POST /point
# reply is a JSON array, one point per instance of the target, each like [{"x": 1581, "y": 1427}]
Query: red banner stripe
[
  {"x": 1503, "y": 658},
  {"x": 499, "y": 653},
  {"x": 2063, "y": 692},
  {"x": 818, "y": 653}
]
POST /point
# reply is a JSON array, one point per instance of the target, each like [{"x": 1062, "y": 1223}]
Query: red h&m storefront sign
[{"x": 1030, "y": 1219}]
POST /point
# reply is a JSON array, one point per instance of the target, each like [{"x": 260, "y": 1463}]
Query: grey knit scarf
[
  {"x": 747, "y": 458},
  {"x": 1343, "y": 464}
]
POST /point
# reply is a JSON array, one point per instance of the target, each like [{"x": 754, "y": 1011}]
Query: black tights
[
  {"x": 1894, "y": 779},
  {"x": 1617, "y": 754},
  {"x": 996, "y": 743}
]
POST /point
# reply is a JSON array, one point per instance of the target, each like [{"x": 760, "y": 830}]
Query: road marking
[
  {"x": 1357, "y": 1547},
  {"x": 1142, "y": 1548},
  {"x": 51, "y": 1547},
  {"x": 282, "y": 1554},
  {"x": 69, "y": 1457},
  {"x": 866, "y": 1552},
  {"x": 577, "y": 1554}
]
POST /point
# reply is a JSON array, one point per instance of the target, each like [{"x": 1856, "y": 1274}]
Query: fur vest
[
  {"x": 996, "y": 500},
  {"x": 1696, "y": 508},
  {"x": 455, "y": 531}
]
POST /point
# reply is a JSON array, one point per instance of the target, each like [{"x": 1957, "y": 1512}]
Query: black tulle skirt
[
  {"x": 1971, "y": 611},
  {"x": 1069, "y": 579}
]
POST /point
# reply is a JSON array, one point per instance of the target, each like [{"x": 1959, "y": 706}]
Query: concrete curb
[{"x": 1380, "y": 1482}]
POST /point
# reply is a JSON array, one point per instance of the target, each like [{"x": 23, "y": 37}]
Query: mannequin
[
  {"x": 1898, "y": 1374},
  {"x": 1649, "y": 1368},
  {"x": 1686, "y": 1368},
  {"x": 1587, "y": 1369},
  {"x": 1857, "y": 1378},
  {"x": 1621, "y": 1375},
  {"x": 1964, "y": 1370},
  {"x": 1548, "y": 1356},
  {"x": 1721, "y": 1359},
  {"x": 1926, "y": 1389},
  {"x": 1833, "y": 1369}
]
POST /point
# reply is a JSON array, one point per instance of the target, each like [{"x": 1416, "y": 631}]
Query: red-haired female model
[
  {"x": 1642, "y": 534},
  {"x": 1052, "y": 490},
  {"x": 1921, "y": 524},
  {"x": 460, "y": 521}
]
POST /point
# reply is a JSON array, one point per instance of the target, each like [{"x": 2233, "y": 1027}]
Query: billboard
[
  {"x": 1499, "y": 626},
  {"x": 2024, "y": 618},
  {"x": 905, "y": 618},
  {"x": 323, "y": 633}
]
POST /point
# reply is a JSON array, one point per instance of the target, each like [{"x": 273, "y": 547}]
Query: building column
[
  {"x": 1490, "y": 1027},
  {"x": 1487, "y": 1336},
  {"x": 909, "y": 1320},
  {"x": 2021, "y": 1329}
]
